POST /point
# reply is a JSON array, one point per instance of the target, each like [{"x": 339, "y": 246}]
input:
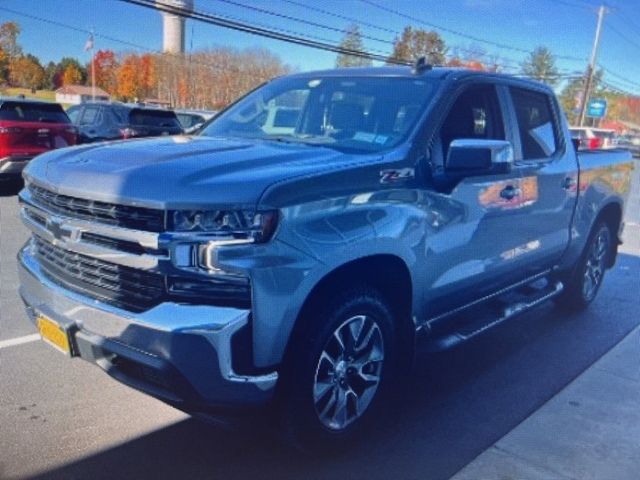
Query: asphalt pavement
[{"x": 66, "y": 419}]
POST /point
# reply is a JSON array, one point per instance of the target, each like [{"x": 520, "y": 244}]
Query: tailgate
[{"x": 32, "y": 138}]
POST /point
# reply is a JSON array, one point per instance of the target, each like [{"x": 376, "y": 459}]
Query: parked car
[
  {"x": 192, "y": 120},
  {"x": 301, "y": 269},
  {"x": 98, "y": 121},
  {"x": 593, "y": 138},
  {"x": 631, "y": 143},
  {"x": 29, "y": 128}
]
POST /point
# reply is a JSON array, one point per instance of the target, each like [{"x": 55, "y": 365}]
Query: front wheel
[
  {"x": 582, "y": 287},
  {"x": 340, "y": 371}
]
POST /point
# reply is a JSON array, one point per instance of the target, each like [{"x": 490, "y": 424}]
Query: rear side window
[
  {"x": 188, "y": 120},
  {"x": 535, "y": 123},
  {"x": 90, "y": 116},
  {"x": 153, "y": 118},
  {"x": 33, "y": 112}
]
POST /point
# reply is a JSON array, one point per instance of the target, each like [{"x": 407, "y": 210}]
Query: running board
[{"x": 463, "y": 327}]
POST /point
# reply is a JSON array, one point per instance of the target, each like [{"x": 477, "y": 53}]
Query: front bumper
[
  {"x": 178, "y": 353},
  {"x": 12, "y": 166}
]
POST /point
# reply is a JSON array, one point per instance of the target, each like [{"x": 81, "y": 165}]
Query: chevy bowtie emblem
[{"x": 56, "y": 230}]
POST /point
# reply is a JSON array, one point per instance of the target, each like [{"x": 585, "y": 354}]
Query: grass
[{"x": 40, "y": 94}]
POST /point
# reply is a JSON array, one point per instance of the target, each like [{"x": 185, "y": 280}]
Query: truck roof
[{"x": 409, "y": 72}]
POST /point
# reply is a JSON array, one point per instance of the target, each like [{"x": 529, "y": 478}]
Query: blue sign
[{"x": 597, "y": 108}]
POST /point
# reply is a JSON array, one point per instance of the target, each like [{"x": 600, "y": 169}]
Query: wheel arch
[
  {"x": 386, "y": 273},
  {"x": 611, "y": 214}
]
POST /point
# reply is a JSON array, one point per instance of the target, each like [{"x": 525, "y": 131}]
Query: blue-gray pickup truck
[{"x": 297, "y": 252}]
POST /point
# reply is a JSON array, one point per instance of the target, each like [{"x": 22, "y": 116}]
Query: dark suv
[
  {"x": 113, "y": 121},
  {"x": 28, "y": 128}
]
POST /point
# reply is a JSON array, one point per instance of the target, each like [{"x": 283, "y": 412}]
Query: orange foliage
[
  {"x": 136, "y": 76},
  {"x": 71, "y": 76},
  {"x": 106, "y": 67},
  {"x": 470, "y": 64}
]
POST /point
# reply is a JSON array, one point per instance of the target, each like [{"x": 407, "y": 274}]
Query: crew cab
[
  {"x": 300, "y": 268},
  {"x": 28, "y": 128}
]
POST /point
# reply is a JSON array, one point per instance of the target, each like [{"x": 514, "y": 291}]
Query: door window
[
  {"x": 474, "y": 115},
  {"x": 535, "y": 124}
]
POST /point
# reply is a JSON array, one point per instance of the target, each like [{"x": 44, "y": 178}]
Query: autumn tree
[
  {"x": 541, "y": 65},
  {"x": 414, "y": 44},
  {"x": 352, "y": 42},
  {"x": 72, "y": 76},
  {"x": 127, "y": 77},
  {"x": 148, "y": 78},
  {"x": 10, "y": 50},
  {"x": 72, "y": 65},
  {"x": 26, "y": 72},
  {"x": 106, "y": 67}
]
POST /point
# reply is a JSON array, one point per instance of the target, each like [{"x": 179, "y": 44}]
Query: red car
[{"x": 28, "y": 128}]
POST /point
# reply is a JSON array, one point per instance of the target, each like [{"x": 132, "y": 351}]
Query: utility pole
[{"x": 592, "y": 66}]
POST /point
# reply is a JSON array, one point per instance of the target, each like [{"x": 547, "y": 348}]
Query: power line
[
  {"x": 110, "y": 38},
  {"x": 300, "y": 20},
  {"x": 260, "y": 31},
  {"x": 320, "y": 25},
  {"x": 342, "y": 17},
  {"x": 458, "y": 33},
  {"x": 619, "y": 77},
  {"x": 623, "y": 36}
]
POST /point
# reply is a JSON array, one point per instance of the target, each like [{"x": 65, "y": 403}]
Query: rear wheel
[
  {"x": 582, "y": 287},
  {"x": 340, "y": 371}
]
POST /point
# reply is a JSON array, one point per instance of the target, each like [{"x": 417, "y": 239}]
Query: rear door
[
  {"x": 89, "y": 123},
  {"x": 549, "y": 169}
]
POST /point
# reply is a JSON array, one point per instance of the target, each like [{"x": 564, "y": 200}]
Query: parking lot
[{"x": 62, "y": 418}]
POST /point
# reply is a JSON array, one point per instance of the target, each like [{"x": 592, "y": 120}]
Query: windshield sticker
[
  {"x": 364, "y": 137},
  {"x": 370, "y": 138}
]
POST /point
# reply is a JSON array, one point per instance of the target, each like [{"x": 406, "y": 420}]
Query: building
[{"x": 76, "y": 94}]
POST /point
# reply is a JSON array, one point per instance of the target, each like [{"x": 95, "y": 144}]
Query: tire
[
  {"x": 584, "y": 283},
  {"x": 339, "y": 371}
]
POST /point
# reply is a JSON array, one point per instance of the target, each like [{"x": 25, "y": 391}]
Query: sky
[{"x": 52, "y": 29}]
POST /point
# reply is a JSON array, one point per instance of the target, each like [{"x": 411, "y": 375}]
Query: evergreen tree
[
  {"x": 541, "y": 65},
  {"x": 352, "y": 41}
]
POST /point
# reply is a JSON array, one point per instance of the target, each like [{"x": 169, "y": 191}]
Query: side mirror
[{"x": 478, "y": 157}]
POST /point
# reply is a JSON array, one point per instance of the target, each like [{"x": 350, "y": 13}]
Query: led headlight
[{"x": 230, "y": 224}]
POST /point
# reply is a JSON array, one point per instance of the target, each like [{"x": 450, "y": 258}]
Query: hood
[{"x": 181, "y": 172}]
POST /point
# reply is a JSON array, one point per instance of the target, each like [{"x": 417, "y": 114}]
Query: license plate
[{"x": 54, "y": 334}]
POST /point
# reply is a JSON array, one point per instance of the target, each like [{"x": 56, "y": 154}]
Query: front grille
[
  {"x": 121, "y": 286},
  {"x": 136, "y": 218}
]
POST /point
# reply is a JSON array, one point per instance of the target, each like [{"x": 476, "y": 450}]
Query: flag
[{"x": 89, "y": 44}]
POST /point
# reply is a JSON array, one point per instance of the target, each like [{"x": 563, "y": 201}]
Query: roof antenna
[{"x": 421, "y": 65}]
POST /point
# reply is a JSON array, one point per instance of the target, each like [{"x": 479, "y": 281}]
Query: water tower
[{"x": 173, "y": 26}]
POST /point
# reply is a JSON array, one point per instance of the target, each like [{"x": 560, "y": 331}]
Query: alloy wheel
[{"x": 348, "y": 372}]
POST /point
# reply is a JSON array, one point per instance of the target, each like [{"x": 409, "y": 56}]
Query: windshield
[
  {"x": 357, "y": 114},
  {"x": 33, "y": 112}
]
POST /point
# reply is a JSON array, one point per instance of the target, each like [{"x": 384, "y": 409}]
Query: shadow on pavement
[
  {"x": 457, "y": 404},
  {"x": 10, "y": 187}
]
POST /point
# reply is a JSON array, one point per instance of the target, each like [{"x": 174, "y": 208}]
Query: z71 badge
[{"x": 390, "y": 176}]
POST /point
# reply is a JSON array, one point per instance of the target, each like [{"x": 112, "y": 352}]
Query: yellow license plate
[{"x": 53, "y": 334}]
